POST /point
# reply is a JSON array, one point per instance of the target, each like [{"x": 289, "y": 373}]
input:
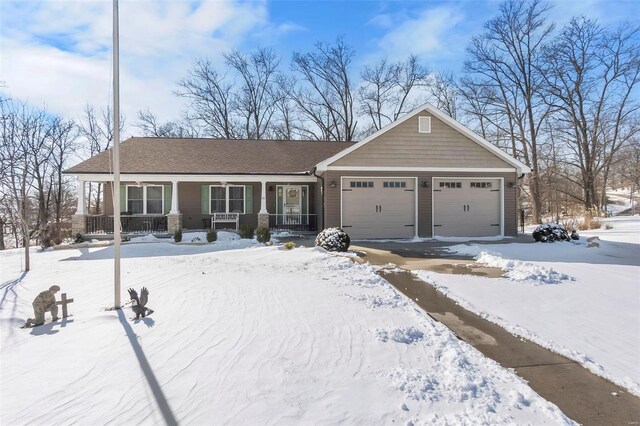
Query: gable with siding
[{"x": 404, "y": 146}]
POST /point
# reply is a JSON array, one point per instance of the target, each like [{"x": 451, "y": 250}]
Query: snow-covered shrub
[
  {"x": 333, "y": 239},
  {"x": 263, "y": 234},
  {"x": 177, "y": 236},
  {"x": 212, "y": 236},
  {"x": 246, "y": 231},
  {"x": 550, "y": 232}
]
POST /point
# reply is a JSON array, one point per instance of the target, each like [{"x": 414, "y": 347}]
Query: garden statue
[
  {"x": 44, "y": 302},
  {"x": 139, "y": 304}
]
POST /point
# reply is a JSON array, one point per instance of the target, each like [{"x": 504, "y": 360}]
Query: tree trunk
[
  {"x": 2, "y": 246},
  {"x": 27, "y": 244}
]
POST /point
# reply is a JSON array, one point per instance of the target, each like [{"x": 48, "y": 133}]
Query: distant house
[{"x": 423, "y": 175}]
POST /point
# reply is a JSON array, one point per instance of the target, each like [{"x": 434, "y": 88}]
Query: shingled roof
[{"x": 212, "y": 156}]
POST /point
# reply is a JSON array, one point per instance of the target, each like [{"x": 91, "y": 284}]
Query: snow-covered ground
[
  {"x": 620, "y": 200},
  {"x": 578, "y": 301},
  {"x": 255, "y": 335}
]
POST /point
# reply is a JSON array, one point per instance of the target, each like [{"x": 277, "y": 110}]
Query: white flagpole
[{"x": 116, "y": 157}]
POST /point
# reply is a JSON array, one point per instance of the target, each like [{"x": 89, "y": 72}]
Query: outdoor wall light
[
  {"x": 425, "y": 184},
  {"x": 512, "y": 184},
  {"x": 333, "y": 184},
  {"x": 270, "y": 188}
]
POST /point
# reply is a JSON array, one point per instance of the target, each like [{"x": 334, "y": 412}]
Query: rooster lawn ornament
[{"x": 139, "y": 306}]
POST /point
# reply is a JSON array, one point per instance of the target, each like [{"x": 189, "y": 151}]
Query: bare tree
[
  {"x": 325, "y": 97},
  {"x": 211, "y": 98},
  {"x": 386, "y": 90},
  {"x": 64, "y": 143},
  {"x": 506, "y": 57},
  {"x": 592, "y": 74},
  {"x": 97, "y": 128},
  {"x": 287, "y": 125},
  {"x": 255, "y": 100},
  {"x": 182, "y": 128},
  {"x": 442, "y": 88},
  {"x": 20, "y": 125}
]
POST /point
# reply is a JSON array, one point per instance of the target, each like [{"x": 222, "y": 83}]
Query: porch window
[
  {"x": 145, "y": 199},
  {"x": 135, "y": 199},
  {"x": 154, "y": 200},
  {"x": 227, "y": 199},
  {"x": 218, "y": 199},
  {"x": 236, "y": 199}
]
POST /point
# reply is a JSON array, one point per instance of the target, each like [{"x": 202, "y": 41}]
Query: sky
[{"x": 57, "y": 53}]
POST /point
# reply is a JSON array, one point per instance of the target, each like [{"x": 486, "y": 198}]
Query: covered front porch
[{"x": 164, "y": 204}]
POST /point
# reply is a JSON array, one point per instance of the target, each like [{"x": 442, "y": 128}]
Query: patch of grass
[{"x": 289, "y": 245}]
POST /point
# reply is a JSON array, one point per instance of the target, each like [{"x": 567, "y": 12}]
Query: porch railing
[
  {"x": 129, "y": 224},
  {"x": 293, "y": 222}
]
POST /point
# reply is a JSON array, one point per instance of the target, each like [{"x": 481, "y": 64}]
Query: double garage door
[{"x": 386, "y": 207}]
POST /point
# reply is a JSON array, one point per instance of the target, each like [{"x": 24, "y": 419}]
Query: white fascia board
[
  {"x": 421, "y": 169},
  {"x": 520, "y": 167},
  {"x": 133, "y": 177}
]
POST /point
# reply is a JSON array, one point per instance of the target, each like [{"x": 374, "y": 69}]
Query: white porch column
[
  {"x": 174, "y": 198},
  {"x": 263, "y": 214},
  {"x": 81, "y": 197},
  {"x": 78, "y": 220},
  {"x": 263, "y": 198}
]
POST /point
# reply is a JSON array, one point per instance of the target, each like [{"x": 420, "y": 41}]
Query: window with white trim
[
  {"x": 236, "y": 199},
  {"x": 154, "y": 200},
  {"x": 227, "y": 199},
  {"x": 135, "y": 199},
  {"x": 424, "y": 124},
  {"x": 148, "y": 199}
]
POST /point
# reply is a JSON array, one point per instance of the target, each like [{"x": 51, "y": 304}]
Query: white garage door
[
  {"x": 466, "y": 207},
  {"x": 379, "y": 207}
]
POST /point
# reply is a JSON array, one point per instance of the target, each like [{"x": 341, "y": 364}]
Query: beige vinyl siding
[
  {"x": 332, "y": 196},
  {"x": 404, "y": 146}
]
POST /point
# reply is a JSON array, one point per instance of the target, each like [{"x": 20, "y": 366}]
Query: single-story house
[{"x": 423, "y": 175}]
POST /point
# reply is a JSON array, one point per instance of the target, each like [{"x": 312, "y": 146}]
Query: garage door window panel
[
  {"x": 361, "y": 184},
  {"x": 451, "y": 185}
]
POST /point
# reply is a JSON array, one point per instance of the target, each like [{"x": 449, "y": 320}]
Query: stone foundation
[
  {"x": 78, "y": 224},
  {"x": 263, "y": 219},
  {"x": 174, "y": 223}
]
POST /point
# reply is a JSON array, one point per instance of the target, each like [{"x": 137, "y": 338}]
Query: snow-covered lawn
[
  {"x": 255, "y": 335},
  {"x": 581, "y": 302}
]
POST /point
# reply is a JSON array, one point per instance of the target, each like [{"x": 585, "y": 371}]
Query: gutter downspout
[{"x": 313, "y": 172}]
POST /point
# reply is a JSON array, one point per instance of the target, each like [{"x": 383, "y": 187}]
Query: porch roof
[{"x": 150, "y": 155}]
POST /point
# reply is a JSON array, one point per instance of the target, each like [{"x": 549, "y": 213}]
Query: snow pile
[
  {"x": 518, "y": 270},
  {"x": 252, "y": 336},
  {"x": 149, "y": 238},
  {"x": 407, "y": 335},
  {"x": 333, "y": 239}
]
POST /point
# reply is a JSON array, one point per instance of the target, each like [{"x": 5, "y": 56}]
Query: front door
[{"x": 292, "y": 204}]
